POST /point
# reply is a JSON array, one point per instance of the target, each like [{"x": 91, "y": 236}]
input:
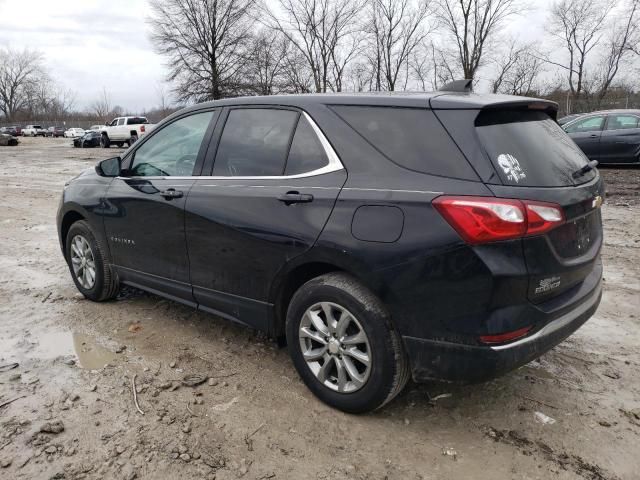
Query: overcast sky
[{"x": 91, "y": 44}]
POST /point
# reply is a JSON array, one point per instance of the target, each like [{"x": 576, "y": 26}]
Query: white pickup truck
[
  {"x": 123, "y": 130},
  {"x": 33, "y": 131}
]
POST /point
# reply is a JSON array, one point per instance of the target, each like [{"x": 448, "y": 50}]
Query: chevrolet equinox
[{"x": 447, "y": 236}]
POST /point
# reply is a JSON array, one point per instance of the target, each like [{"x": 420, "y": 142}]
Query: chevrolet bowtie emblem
[{"x": 596, "y": 202}]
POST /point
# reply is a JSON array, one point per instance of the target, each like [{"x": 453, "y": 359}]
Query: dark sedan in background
[
  {"x": 88, "y": 140},
  {"x": 610, "y": 137}
]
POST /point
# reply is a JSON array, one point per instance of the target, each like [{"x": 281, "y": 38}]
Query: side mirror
[{"x": 109, "y": 168}]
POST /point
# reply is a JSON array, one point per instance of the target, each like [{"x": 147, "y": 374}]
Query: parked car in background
[
  {"x": 568, "y": 118},
  {"x": 96, "y": 128},
  {"x": 123, "y": 130},
  {"x": 610, "y": 137},
  {"x": 74, "y": 133},
  {"x": 18, "y": 130},
  {"x": 33, "y": 131},
  {"x": 55, "y": 132},
  {"x": 243, "y": 207},
  {"x": 88, "y": 140},
  {"x": 9, "y": 131}
]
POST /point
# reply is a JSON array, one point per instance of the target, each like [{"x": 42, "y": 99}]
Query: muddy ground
[{"x": 73, "y": 415}]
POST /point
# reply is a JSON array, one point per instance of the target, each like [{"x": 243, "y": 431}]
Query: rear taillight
[
  {"x": 141, "y": 128},
  {"x": 488, "y": 219}
]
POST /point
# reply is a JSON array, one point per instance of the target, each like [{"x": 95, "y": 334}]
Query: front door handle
[
  {"x": 170, "y": 193},
  {"x": 594, "y": 135},
  {"x": 295, "y": 197}
]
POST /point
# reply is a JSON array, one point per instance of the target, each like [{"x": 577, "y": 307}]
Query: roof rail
[{"x": 465, "y": 86}]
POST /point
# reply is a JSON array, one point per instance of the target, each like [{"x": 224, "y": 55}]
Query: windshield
[{"x": 530, "y": 149}]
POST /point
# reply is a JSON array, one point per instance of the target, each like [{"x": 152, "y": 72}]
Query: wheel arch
[
  {"x": 69, "y": 218},
  {"x": 300, "y": 271}
]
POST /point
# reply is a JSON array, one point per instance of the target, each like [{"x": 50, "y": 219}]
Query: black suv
[{"x": 447, "y": 236}]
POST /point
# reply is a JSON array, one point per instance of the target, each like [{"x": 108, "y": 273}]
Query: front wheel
[
  {"x": 343, "y": 345},
  {"x": 104, "y": 141},
  {"x": 88, "y": 264}
]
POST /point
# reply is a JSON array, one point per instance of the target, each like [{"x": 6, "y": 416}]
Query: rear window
[
  {"x": 528, "y": 148},
  {"x": 410, "y": 137},
  {"x": 136, "y": 121}
]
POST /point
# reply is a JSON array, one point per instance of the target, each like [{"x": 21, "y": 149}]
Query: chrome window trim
[{"x": 334, "y": 164}]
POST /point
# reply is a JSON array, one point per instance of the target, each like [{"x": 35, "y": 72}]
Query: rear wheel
[
  {"x": 88, "y": 264},
  {"x": 343, "y": 345},
  {"x": 133, "y": 139}
]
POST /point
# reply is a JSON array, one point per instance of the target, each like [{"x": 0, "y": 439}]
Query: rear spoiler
[{"x": 458, "y": 100}]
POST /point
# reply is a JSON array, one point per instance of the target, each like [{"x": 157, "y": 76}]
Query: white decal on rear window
[{"x": 511, "y": 167}]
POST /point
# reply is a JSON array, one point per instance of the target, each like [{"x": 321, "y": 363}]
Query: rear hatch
[{"x": 520, "y": 152}]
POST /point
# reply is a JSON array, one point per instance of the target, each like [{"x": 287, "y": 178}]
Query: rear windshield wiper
[{"x": 587, "y": 168}]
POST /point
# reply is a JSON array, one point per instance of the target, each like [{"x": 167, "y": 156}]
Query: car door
[
  {"x": 586, "y": 132},
  {"x": 620, "y": 141},
  {"x": 273, "y": 185},
  {"x": 145, "y": 227}
]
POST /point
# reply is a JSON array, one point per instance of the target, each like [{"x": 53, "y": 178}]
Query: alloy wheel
[
  {"x": 83, "y": 262},
  {"x": 335, "y": 347}
]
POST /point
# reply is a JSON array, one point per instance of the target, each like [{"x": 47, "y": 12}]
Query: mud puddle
[{"x": 66, "y": 345}]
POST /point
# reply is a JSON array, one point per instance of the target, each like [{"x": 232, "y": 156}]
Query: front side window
[
  {"x": 254, "y": 142},
  {"x": 173, "y": 150},
  {"x": 591, "y": 124},
  {"x": 121, "y": 121},
  {"x": 622, "y": 122}
]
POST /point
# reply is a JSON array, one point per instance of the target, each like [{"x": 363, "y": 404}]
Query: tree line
[{"x": 223, "y": 48}]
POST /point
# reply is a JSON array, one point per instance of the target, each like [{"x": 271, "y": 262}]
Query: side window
[
  {"x": 121, "y": 121},
  {"x": 591, "y": 124},
  {"x": 114, "y": 123},
  {"x": 173, "y": 150},
  {"x": 306, "y": 153},
  {"x": 622, "y": 122},
  {"x": 410, "y": 137},
  {"x": 254, "y": 142}
]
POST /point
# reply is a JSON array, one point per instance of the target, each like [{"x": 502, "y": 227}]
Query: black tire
[
  {"x": 133, "y": 139},
  {"x": 104, "y": 141},
  {"x": 389, "y": 367},
  {"x": 106, "y": 285}
]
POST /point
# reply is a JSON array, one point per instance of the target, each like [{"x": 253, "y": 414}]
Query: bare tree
[
  {"x": 579, "y": 25},
  {"x": 164, "y": 107},
  {"x": 325, "y": 34},
  {"x": 102, "y": 106},
  {"x": 596, "y": 42},
  {"x": 20, "y": 72},
  {"x": 473, "y": 24},
  {"x": 397, "y": 29},
  {"x": 266, "y": 62},
  {"x": 517, "y": 70},
  {"x": 205, "y": 43},
  {"x": 618, "y": 44}
]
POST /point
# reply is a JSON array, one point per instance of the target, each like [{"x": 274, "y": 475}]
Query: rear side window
[
  {"x": 255, "y": 142},
  {"x": 528, "y": 148},
  {"x": 410, "y": 137},
  {"x": 306, "y": 154},
  {"x": 136, "y": 120},
  {"x": 622, "y": 122}
]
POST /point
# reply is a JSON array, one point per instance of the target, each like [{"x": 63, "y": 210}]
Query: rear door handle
[
  {"x": 170, "y": 193},
  {"x": 295, "y": 197}
]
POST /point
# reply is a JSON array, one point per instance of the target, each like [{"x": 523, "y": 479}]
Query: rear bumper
[{"x": 453, "y": 362}]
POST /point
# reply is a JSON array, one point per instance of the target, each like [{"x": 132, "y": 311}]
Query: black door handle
[
  {"x": 594, "y": 135},
  {"x": 171, "y": 193},
  {"x": 295, "y": 197}
]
